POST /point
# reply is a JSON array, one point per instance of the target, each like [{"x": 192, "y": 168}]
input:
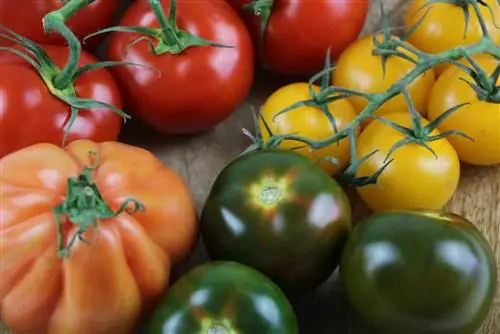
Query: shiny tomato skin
[
  {"x": 419, "y": 272},
  {"x": 30, "y": 114},
  {"x": 278, "y": 212},
  {"x": 299, "y": 32},
  {"x": 415, "y": 179},
  {"x": 103, "y": 286},
  {"x": 223, "y": 296},
  {"x": 25, "y": 18},
  {"x": 196, "y": 89},
  {"x": 479, "y": 119},
  {"x": 444, "y": 26},
  {"x": 358, "y": 69}
]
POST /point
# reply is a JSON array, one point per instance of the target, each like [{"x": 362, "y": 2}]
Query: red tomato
[
  {"x": 25, "y": 18},
  {"x": 299, "y": 32},
  {"x": 30, "y": 114},
  {"x": 196, "y": 88}
]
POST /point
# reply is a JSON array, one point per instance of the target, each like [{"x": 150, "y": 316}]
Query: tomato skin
[
  {"x": 25, "y": 18},
  {"x": 30, "y": 114},
  {"x": 281, "y": 201},
  {"x": 100, "y": 287},
  {"x": 480, "y": 120},
  {"x": 358, "y": 69},
  {"x": 199, "y": 87},
  {"x": 220, "y": 294},
  {"x": 415, "y": 179},
  {"x": 300, "y": 32},
  {"x": 419, "y": 272},
  {"x": 443, "y": 27},
  {"x": 309, "y": 122}
]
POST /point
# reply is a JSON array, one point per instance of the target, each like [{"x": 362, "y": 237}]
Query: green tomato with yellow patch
[{"x": 278, "y": 212}]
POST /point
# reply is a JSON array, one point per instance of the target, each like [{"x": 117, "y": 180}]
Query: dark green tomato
[
  {"x": 278, "y": 212},
  {"x": 419, "y": 273},
  {"x": 224, "y": 298}
]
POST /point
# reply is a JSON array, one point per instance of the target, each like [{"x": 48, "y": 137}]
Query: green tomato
[
  {"x": 224, "y": 298},
  {"x": 278, "y": 212},
  {"x": 419, "y": 273}
]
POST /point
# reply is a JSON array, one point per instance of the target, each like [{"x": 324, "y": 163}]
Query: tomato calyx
[
  {"x": 84, "y": 206},
  {"x": 169, "y": 37},
  {"x": 263, "y": 9},
  {"x": 217, "y": 327}
]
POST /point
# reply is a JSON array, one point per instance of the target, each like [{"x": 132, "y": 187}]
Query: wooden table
[{"x": 200, "y": 158}]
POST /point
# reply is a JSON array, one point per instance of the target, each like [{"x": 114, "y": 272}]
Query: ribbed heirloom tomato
[
  {"x": 299, "y": 32},
  {"x": 53, "y": 281},
  {"x": 30, "y": 114},
  {"x": 25, "y": 18},
  {"x": 188, "y": 90}
]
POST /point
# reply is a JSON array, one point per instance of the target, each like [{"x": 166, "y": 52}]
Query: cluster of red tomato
[{"x": 276, "y": 222}]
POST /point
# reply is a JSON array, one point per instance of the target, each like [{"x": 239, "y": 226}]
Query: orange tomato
[
  {"x": 309, "y": 122},
  {"x": 103, "y": 284},
  {"x": 358, "y": 69},
  {"x": 415, "y": 179},
  {"x": 444, "y": 26},
  {"x": 479, "y": 119}
]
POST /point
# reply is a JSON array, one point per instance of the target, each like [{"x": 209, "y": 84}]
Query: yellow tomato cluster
[{"x": 417, "y": 177}]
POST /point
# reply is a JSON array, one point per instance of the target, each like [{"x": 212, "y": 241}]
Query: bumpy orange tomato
[
  {"x": 357, "y": 68},
  {"x": 309, "y": 122},
  {"x": 103, "y": 284},
  {"x": 415, "y": 179},
  {"x": 479, "y": 120},
  {"x": 444, "y": 26}
]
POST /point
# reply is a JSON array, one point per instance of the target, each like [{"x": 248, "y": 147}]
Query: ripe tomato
[
  {"x": 358, "y": 69},
  {"x": 415, "y": 179},
  {"x": 444, "y": 26},
  {"x": 479, "y": 120},
  {"x": 309, "y": 122},
  {"x": 102, "y": 285},
  {"x": 197, "y": 88},
  {"x": 419, "y": 272},
  {"x": 281, "y": 201},
  {"x": 25, "y": 18},
  {"x": 221, "y": 297},
  {"x": 30, "y": 114},
  {"x": 299, "y": 32}
]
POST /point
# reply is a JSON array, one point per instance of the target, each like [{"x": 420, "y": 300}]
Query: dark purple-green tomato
[
  {"x": 224, "y": 298},
  {"x": 278, "y": 212},
  {"x": 419, "y": 273}
]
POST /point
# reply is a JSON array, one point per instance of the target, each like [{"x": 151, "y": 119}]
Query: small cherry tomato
[
  {"x": 415, "y": 179},
  {"x": 480, "y": 119},
  {"x": 309, "y": 122},
  {"x": 358, "y": 69}
]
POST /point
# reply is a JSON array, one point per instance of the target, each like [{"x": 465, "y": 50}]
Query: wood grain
[{"x": 200, "y": 158}]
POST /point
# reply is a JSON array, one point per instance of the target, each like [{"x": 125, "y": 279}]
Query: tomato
[
  {"x": 123, "y": 266},
  {"x": 479, "y": 120},
  {"x": 309, "y": 122},
  {"x": 224, "y": 297},
  {"x": 30, "y": 114},
  {"x": 416, "y": 179},
  {"x": 443, "y": 28},
  {"x": 25, "y": 18},
  {"x": 419, "y": 272},
  {"x": 358, "y": 69},
  {"x": 197, "y": 88},
  {"x": 278, "y": 212},
  {"x": 299, "y": 33}
]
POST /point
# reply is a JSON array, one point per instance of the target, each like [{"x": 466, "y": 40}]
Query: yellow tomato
[
  {"x": 479, "y": 120},
  {"x": 358, "y": 69},
  {"x": 444, "y": 26},
  {"x": 415, "y": 179},
  {"x": 309, "y": 122}
]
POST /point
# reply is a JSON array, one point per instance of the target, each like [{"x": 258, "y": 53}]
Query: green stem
[
  {"x": 55, "y": 22},
  {"x": 167, "y": 27}
]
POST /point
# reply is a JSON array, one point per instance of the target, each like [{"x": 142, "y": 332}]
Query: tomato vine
[{"x": 390, "y": 46}]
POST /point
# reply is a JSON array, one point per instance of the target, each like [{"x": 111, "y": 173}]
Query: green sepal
[{"x": 263, "y": 9}]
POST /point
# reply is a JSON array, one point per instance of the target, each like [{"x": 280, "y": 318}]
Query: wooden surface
[{"x": 200, "y": 158}]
